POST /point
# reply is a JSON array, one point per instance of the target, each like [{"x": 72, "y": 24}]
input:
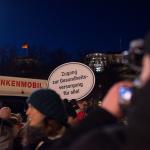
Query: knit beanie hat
[{"x": 49, "y": 103}]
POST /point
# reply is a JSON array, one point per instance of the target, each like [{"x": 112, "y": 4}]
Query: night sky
[{"x": 73, "y": 24}]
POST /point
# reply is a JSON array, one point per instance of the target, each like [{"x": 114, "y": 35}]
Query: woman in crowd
[
  {"x": 6, "y": 129},
  {"x": 47, "y": 120}
]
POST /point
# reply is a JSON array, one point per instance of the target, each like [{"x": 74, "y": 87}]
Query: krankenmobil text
[{"x": 15, "y": 83}]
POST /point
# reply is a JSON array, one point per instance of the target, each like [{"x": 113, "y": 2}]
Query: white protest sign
[{"x": 72, "y": 80}]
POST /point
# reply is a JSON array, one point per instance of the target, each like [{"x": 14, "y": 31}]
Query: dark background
[{"x": 73, "y": 25}]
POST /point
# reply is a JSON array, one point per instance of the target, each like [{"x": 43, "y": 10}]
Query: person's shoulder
[{"x": 48, "y": 144}]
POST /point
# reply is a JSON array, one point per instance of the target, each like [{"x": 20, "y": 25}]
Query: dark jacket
[
  {"x": 96, "y": 119},
  {"x": 139, "y": 120},
  {"x": 107, "y": 138},
  {"x": 44, "y": 144},
  {"x": 35, "y": 139}
]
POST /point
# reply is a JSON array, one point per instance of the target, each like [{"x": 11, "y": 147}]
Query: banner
[{"x": 16, "y": 86}]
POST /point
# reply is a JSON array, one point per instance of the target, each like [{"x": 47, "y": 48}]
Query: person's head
[
  {"x": 70, "y": 107},
  {"x": 45, "y": 106},
  {"x": 82, "y": 105},
  {"x": 135, "y": 54},
  {"x": 5, "y": 113}
]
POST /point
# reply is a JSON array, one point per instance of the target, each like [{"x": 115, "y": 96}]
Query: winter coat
[
  {"x": 6, "y": 135},
  {"x": 35, "y": 139}
]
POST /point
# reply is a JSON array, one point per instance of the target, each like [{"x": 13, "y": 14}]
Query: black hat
[
  {"x": 70, "y": 109},
  {"x": 49, "y": 103}
]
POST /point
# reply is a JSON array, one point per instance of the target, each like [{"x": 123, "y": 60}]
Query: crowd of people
[{"x": 56, "y": 124}]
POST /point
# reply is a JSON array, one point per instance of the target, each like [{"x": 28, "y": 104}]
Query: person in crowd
[
  {"x": 82, "y": 108},
  {"x": 139, "y": 114},
  {"x": 6, "y": 129},
  {"x": 91, "y": 106},
  {"x": 47, "y": 120},
  {"x": 111, "y": 100},
  {"x": 16, "y": 120},
  {"x": 70, "y": 107},
  {"x": 137, "y": 130}
]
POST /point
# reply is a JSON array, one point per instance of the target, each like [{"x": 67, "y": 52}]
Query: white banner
[
  {"x": 16, "y": 86},
  {"x": 72, "y": 80}
]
